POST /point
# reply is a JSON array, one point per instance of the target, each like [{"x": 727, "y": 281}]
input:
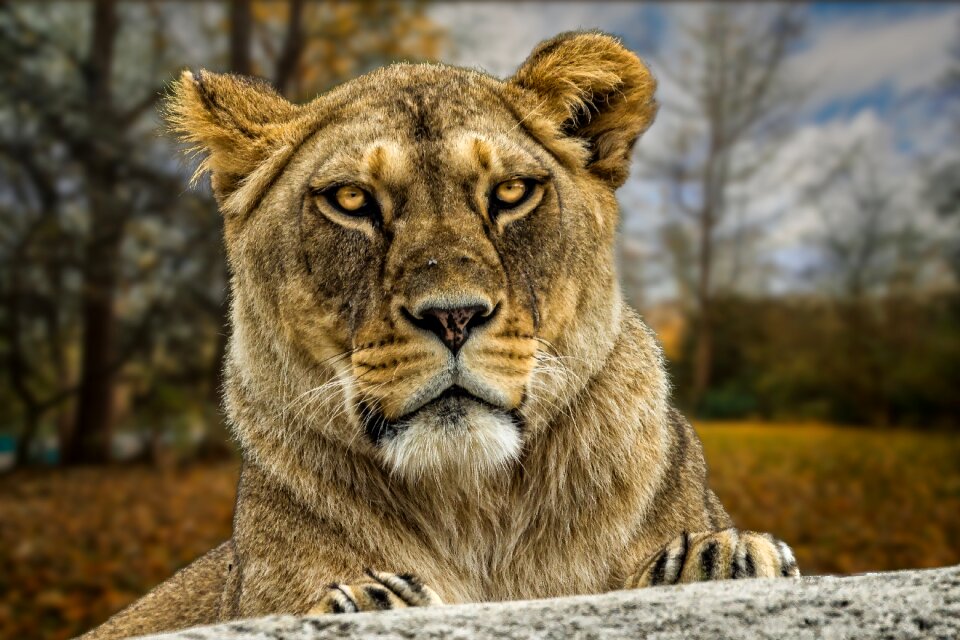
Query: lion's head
[{"x": 432, "y": 245}]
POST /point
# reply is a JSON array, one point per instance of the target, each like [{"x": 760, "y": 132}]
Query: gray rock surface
[{"x": 905, "y": 604}]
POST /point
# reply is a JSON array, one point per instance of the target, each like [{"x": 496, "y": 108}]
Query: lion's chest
[{"x": 525, "y": 552}]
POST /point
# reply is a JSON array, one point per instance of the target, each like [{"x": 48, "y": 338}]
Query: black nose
[{"x": 452, "y": 326}]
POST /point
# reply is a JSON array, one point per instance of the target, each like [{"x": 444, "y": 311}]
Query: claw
[
  {"x": 385, "y": 591},
  {"x": 716, "y": 555}
]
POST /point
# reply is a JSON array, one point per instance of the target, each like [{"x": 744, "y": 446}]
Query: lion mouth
[
  {"x": 450, "y": 407},
  {"x": 454, "y": 392},
  {"x": 450, "y": 404}
]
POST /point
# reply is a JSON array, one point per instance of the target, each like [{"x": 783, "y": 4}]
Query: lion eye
[
  {"x": 351, "y": 199},
  {"x": 511, "y": 192}
]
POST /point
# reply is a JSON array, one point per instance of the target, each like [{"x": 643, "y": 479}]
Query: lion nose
[{"x": 452, "y": 326}]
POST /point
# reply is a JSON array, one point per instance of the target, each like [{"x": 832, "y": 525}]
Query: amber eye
[
  {"x": 511, "y": 192},
  {"x": 351, "y": 199}
]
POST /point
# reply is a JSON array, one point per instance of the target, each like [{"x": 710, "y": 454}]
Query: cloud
[
  {"x": 847, "y": 58},
  {"x": 498, "y": 36},
  {"x": 855, "y": 59},
  {"x": 817, "y": 208}
]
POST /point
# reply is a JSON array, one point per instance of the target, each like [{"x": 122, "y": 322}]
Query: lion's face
[{"x": 438, "y": 241}]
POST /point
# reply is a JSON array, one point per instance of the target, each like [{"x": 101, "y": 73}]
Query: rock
[{"x": 904, "y": 604}]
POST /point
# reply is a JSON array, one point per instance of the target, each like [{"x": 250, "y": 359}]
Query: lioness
[{"x": 438, "y": 391}]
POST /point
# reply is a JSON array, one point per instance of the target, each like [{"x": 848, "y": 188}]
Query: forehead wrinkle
[
  {"x": 374, "y": 160},
  {"x": 486, "y": 153},
  {"x": 385, "y": 163},
  {"x": 482, "y": 153},
  {"x": 540, "y": 159},
  {"x": 379, "y": 163}
]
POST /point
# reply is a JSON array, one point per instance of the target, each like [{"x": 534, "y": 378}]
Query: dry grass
[
  {"x": 848, "y": 500},
  {"x": 77, "y": 545}
]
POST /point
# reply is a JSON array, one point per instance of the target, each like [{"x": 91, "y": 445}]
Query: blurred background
[{"x": 791, "y": 229}]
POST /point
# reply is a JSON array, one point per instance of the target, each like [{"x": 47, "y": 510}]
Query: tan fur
[{"x": 573, "y": 473}]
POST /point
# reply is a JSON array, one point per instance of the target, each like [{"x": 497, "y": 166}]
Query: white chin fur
[{"x": 474, "y": 443}]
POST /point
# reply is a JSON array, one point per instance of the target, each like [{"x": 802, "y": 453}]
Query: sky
[
  {"x": 867, "y": 72},
  {"x": 856, "y": 56}
]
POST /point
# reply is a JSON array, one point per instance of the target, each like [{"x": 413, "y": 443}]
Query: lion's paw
[
  {"x": 718, "y": 555},
  {"x": 383, "y": 591}
]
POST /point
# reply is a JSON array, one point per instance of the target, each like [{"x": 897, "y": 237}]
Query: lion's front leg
[
  {"x": 380, "y": 592},
  {"x": 717, "y": 555}
]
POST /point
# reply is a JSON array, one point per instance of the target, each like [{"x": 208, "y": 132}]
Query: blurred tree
[
  {"x": 943, "y": 189},
  {"x": 90, "y": 439},
  {"x": 876, "y": 246},
  {"x": 308, "y": 47},
  {"x": 87, "y": 128},
  {"x": 795, "y": 357},
  {"x": 732, "y": 102},
  {"x": 870, "y": 236},
  {"x": 34, "y": 195}
]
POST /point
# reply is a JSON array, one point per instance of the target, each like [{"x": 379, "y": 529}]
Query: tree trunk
[
  {"x": 241, "y": 22},
  {"x": 703, "y": 356},
  {"x": 289, "y": 61},
  {"x": 93, "y": 423},
  {"x": 90, "y": 441}
]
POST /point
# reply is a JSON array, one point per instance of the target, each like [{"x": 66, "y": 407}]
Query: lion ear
[
  {"x": 233, "y": 121},
  {"x": 593, "y": 88}
]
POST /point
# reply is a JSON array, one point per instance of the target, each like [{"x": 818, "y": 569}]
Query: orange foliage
[{"x": 77, "y": 545}]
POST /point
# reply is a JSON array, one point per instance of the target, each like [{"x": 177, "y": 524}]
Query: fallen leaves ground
[
  {"x": 77, "y": 545},
  {"x": 847, "y": 500}
]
